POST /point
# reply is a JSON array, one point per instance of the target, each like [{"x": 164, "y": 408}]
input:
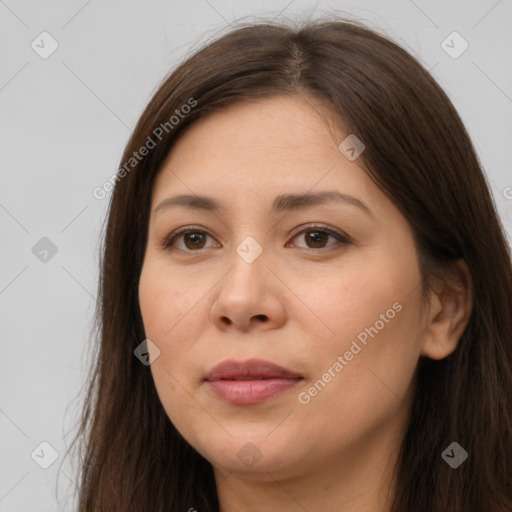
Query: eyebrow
[{"x": 281, "y": 204}]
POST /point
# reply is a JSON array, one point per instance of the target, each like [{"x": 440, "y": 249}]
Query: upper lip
[{"x": 250, "y": 368}]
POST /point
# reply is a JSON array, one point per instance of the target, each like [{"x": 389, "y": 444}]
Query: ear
[{"x": 450, "y": 306}]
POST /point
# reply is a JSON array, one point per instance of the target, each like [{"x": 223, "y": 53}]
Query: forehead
[
  {"x": 257, "y": 143},
  {"x": 261, "y": 158}
]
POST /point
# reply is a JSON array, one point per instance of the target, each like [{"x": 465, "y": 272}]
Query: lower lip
[{"x": 251, "y": 391}]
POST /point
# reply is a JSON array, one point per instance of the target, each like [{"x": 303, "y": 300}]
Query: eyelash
[{"x": 342, "y": 239}]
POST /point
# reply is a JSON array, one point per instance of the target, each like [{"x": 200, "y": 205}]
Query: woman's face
[{"x": 292, "y": 256}]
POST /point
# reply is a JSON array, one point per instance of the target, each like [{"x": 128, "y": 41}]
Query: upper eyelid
[{"x": 321, "y": 227}]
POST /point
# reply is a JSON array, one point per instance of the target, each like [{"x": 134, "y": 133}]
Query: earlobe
[{"x": 451, "y": 304}]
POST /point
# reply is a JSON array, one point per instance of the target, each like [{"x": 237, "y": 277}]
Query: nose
[{"x": 249, "y": 297}]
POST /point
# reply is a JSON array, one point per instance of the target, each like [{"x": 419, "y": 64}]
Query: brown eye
[
  {"x": 316, "y": 238},
  {"x": 187, "y": 240},
  {"x": 191, "y": 240},
  {"x": 194, "y": 240}
]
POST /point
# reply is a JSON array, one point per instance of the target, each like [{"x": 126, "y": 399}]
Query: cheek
[
  {"x": 379, "y": 354},
  {"x": 371, "y": 386},
  {"x": 349, "y": 302},
  {"x": 164, "y": 302},
  {"x": 372, "y": 317},
  {"x": 162, "y": 308},
  {"x": 169, "y": 313}
]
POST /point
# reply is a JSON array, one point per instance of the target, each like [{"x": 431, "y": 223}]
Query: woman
[{"x": 305, "y": 291}]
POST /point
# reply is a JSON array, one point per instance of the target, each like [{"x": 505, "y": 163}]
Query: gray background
[{"x": 65, "y": 121}]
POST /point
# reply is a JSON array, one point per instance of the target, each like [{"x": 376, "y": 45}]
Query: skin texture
[{"x": 299, "y": 304}]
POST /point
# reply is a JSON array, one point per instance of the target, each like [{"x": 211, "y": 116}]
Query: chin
[{"x": 251, "y": 453}]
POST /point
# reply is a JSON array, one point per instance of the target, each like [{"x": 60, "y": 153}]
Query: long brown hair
[{"x": 418, "y": 152}]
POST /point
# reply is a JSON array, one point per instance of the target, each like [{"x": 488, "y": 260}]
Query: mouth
[{"x": 250, "y": 382}]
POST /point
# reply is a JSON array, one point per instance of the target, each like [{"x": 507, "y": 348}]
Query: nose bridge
[
  {"x": 250, "y": 249},
  {"x": 248, "y": 264}
]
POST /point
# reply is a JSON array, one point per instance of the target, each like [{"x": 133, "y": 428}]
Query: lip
[{"x": 251, "y": 381}]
